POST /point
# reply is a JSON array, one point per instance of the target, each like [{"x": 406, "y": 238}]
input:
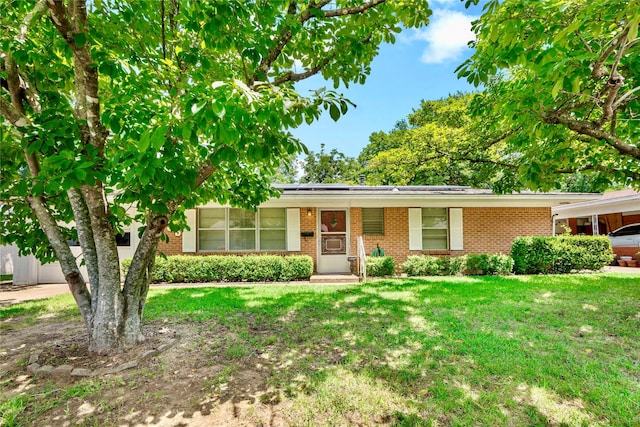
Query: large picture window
[
  {"x": 233, "y": 229},
  {"x": 435, "y": 228}
]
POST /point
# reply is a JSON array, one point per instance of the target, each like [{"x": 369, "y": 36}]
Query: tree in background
[
  {"x": 288, "y": 170},
  {"x": 332, "y": 167},
  {"x": 114, "y": 111},
  {"x": 562, "y": 84},
  {"x": 438, "y": 144}
]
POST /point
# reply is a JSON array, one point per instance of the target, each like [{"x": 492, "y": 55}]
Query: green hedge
[
  {"x": 426, "y": 265},
  {"x": 488, "y": 264},
  {"x": 560, "y": 254},
  {"x": 477, "y": 265},
  {"x": 380, "y": 266},
  {"x": 229, "y": 268}
]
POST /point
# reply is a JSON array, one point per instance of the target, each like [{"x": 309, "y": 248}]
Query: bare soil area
[{"x": 186, "y": 385}]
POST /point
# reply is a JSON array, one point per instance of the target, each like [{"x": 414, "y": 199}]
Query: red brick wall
[
  {"x": 486, "y": 230},
  {"x": 492, "y": 230},
  {"x": 173, "y": 247},
  {"x": 308, "y": 244}
]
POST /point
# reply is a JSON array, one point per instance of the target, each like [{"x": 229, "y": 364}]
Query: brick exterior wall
[
  {"x": 485, "y": 230},
  {"x": 492, "y": 230},
  {"x": 173, "y": 247}
]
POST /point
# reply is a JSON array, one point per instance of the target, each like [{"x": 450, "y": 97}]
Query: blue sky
[{"x": 420, "y": 65}]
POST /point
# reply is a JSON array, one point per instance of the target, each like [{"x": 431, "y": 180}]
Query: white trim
[
  {"x": 598, "y": 207},
  {"x": 293, "y": 229},
  {"x": 415, "y": 229},
  {"x": 330, "y": 200},
  {"x": 189, "y": 236},
  {"x": 455, "y": 229}
]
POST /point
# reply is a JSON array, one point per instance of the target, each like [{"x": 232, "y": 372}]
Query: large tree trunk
[{"x": 112, "y": 312}]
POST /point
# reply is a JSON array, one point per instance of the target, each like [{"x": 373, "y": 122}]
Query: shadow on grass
[
  {"x": 450, "y": 351},
  {"x": 413, "y": 337}
]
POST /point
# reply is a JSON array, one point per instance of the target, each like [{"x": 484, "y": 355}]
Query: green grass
[{"x": 530, "y": 350}]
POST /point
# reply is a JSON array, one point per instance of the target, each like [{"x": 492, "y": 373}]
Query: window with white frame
[
  {"x": 435, "y": 228},
  {"x": 273, "y": 229},
  {"x": 234, "y": 229},
  {"x": 373, "y": 221}
]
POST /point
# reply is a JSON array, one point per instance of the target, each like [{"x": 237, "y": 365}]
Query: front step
[{"x": 334, "y": 278}]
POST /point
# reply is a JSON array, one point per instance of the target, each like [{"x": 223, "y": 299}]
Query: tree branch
[
  {"x": 290, "y": 76},
  {"x": 204, "y": 172},
  {"x": 37, "y": 11},
  {"x": 17, "y": 119},
  {"x": 86, "y": 73},
  {"x": 591, "y": 129},
  {"x": 598, "y": 70},
  {"x": 624, "y": 97},
  {"x": 286, "y": 35},
  {"x": 353, "y": 10}
]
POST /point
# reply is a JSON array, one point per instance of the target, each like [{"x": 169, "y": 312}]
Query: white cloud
[{"x": 447, "y": 36}]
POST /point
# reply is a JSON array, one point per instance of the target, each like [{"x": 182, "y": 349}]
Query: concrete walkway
[{"x": 13, "y": 294}]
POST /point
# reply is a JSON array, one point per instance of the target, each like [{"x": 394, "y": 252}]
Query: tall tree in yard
[
  {"x": 563, "y": 86},
  {"x": 152, "y": 107}
]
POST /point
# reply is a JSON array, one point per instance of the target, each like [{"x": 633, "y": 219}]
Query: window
[
  {"x": 213, "y": 223},
  {"x": 435, "y": 228},
  {"x": 123, "y": 239},
  {"x": 373, "y": 221},
  {"x": 233, "y": 229},
  {"x": 273, "y": 229},
  {"x": 242, "y": 230}
]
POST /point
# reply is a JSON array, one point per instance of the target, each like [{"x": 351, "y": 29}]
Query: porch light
[{"x": 308, "y": 211}]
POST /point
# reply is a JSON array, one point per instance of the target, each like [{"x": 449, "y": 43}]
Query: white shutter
[
  {"x": 293, "y": 229},
  {"x": 189, "y": 236},
  {"x": 415, "y": 229},
  {"x": 455, "y": 229}
]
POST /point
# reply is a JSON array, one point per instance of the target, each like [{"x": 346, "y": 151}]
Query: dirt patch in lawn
[
  {"x": 184, "y": 385},
  {"x": 207, "y": 378}
]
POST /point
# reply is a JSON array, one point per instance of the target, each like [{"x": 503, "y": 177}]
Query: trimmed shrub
[
  {"x": 426, "y": 265},
  {"x": 451, "y": 266},
  {"x": 421, "y": 265},
  {"x": 488, "y": 264},
  {"x": 560, "y": 254},
  {"x": 381, "y": 266},
  {"x": 594, "y": 252},
  {"x": 229, "y": 268}
]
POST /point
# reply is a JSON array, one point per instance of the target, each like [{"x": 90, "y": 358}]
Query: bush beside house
[
  {"x": 381, "y": 266},
  {"x": 488, "y": 264},
  {"x": 230, "y": 268},
  {"x": 473, "y": 265},
  {"x": 560, "y": 254}
]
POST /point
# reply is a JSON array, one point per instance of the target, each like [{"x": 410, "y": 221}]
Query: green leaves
[
  {"x": 549, "y": 85},
  {"x": 206, "y": 91},
  {"x": 80, "y": 39}
]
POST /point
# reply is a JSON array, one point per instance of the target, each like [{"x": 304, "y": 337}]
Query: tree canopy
[
  {"x": 331, "y": 167},
  {"x": 439, "y": 143},
  {"x": 562, "y": 86},
  {"x": 114, "y": 111}
]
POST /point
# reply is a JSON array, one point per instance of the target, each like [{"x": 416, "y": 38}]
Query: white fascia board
[
  {"x": 421, "y": 200},
  {"x": 347, "y": 200},
  {"x": 598, "y": 207}
]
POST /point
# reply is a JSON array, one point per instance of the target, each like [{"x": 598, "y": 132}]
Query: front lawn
[{"x": 530, "y": 350}]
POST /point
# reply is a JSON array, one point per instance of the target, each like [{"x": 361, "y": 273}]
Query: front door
[{"x": 334, "y": 241}]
